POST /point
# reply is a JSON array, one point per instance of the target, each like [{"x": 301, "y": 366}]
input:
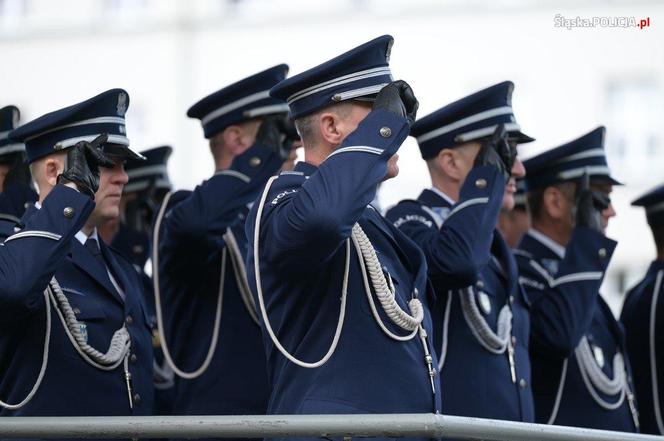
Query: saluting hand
[
  {"x": 398, "y": 97},
  {"x": 589, "y": 206},
  {"x": 82, "y": 165},
  {"x": 276, "y": 132},
  {"x": 497, "y": 152}
]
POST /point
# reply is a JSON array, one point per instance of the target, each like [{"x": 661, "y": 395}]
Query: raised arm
[
  {"x": 562, "y": 306},
  {"x": 195, "y": 225},
  {"x": 457, "y": 247}
]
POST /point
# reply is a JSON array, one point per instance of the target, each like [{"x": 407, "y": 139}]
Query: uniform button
[
  {"x": 479, "y": 284},
  {"x": 602, "y": 253},
  {"x": 523, "y": 383},
  {"x": 133, "y": 358},
  {"x": 513, "y": 341},
  {"x": 137, "y": 399},
  {"x": 76, "y": 311},
  {"x": 129, "y": 320},
  {"x": 137, "y": 249},
  {"x": 385, "y": 132},
  {"x": 480, "y": 183},
  {"x": 68, "y": 212},
  {"x": 511, "y": 300},
  {"x": 255, "y": 161}
]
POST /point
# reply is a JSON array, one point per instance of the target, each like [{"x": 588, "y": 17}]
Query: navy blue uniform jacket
[
  {"x": 465, "y": 251},
  {"x": 563, "y": 285},
  {"x": 641, "y": 314},
  {"x": 46, "y": 246},
  {"x": 307, "y": 218},
  {"x": 190, "y": 269}
]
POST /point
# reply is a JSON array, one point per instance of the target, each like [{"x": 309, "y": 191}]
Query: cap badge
[{"x": 122, "y": 104}]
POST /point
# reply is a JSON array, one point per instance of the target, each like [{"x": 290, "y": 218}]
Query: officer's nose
[
  {"x": 518, "y": 170},
  {"x": 609, "y": 212},
  {"x": 118, "y": 174}
]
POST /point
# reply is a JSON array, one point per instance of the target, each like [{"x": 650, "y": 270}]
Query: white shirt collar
[
  {"x": 82, "y": 237},
  {"x": 443, "y": 195},
  {"x": 558, "y": 249}
]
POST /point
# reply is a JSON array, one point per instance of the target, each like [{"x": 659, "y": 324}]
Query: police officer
[
  {"x": 210, "y": 318},
  {"x": 641, "y": 313},
  {"x": 16, "y": 190},
  {"x": 130, "y": 233},
  {"x": 342, "y": 294},
  {"x": 580, "y": 368},
  {"x": 75, "y": 337},
  {"x": 514, "y": 223},
  {"x": 481, "y": 319},
  {"x": 147, "y": 186}
]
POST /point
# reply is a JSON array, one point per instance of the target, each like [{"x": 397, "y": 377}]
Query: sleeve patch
[
  {"x": 282, "y": 195},
  {"x": 413, "y": 218}
]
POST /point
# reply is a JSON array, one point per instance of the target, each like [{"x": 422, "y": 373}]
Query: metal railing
[{"x": 295, "y": 426}]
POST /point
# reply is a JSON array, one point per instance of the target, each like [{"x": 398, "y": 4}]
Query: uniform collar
[
  {"x": 305, "y": 168},
  {"x": 433, "y": 197},
  {"x": 557, "y": 249},
  {"x": 82, "y": 237},
  {"x": 443, "y": 195}
]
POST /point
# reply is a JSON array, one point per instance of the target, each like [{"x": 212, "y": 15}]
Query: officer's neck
[
  {"x": 316, "y": 154},
  {"x": 223, "y": 162},
  {"x": 446, "y": 185},
  {"x": 87, "y": 229},
  {"x": 553, "y": 231}
]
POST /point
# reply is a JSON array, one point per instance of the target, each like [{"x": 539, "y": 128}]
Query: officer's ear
[
  {"x": 446, "y": 162},
  {"x": 52, "y": 167},
  {"x": 456, "y": 162},
  {"x": 555, "y": 203},
  {"x": 330, "y": 128}
]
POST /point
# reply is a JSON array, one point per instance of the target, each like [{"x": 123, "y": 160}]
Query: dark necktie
[{"x": 92, "y": 245}]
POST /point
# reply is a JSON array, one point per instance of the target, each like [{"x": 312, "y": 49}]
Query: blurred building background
[{"x": 170, "y": 53}]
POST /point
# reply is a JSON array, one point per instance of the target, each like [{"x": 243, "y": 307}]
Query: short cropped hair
[{"x": 306, "y": 126}]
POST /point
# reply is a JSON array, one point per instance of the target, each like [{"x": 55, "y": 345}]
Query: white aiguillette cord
[
  {"x": 158, "y": 308},
  {"x": 385, "y": 293},
  {"x": 116, "y": 354},
  {"x": 595, "y": 379},
  {"x": 240, "y": 276}
]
